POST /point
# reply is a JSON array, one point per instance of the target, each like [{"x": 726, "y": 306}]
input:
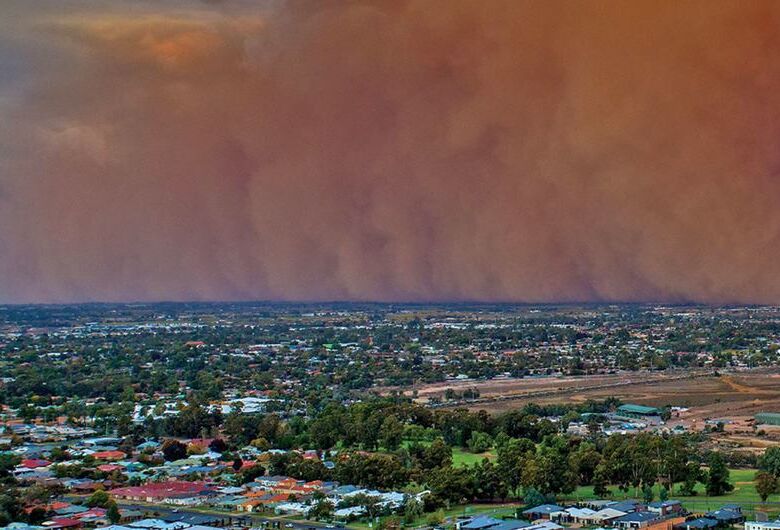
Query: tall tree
[
  {"x": 766, "y": 484},
  {"x": 718, "y": 476},
  {"x": 391, "y": 433},
  {"x": 770, "y": 461}
]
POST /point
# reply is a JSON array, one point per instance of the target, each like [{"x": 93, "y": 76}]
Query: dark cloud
[{"x": 396, "y": 150}]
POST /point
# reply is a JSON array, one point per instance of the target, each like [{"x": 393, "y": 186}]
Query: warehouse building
[
  {"x": 768, "y": 418},
  {"x": 638, "y": 411}
]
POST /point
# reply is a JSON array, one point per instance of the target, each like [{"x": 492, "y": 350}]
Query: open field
[
  {"x": 742, "y": 393},
  {"x": 744, "y": 494},
  {"x": 504, "y": 394},
  {"x": 734, "y": 395},
  {"x": 461, "y": 457},
  {"x": 533, "y": 388},
  {"x": 742, "y": 479}
]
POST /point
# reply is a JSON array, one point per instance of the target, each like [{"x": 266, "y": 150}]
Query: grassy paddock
[
  {"x": 461, "y": 457},
  {"x": 744, "y": 494}
]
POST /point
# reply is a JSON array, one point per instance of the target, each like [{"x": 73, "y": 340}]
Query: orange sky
[{"x": 390, "y": 150}]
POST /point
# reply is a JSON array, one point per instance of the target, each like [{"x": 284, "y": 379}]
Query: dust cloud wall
[{"x": 390, "y": 150}]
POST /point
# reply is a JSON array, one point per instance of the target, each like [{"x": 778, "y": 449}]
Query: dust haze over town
[{"x": 420, "y": 264}]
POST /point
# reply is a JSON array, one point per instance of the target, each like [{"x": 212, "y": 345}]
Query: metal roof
[{"x": 638, "y": 409}]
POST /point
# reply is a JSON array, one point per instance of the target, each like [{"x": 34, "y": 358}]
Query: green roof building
[
  {"x": 638, "y": 411},
  {"x": 768, "y": 418}
]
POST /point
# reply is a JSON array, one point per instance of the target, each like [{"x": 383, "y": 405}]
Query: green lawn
[
  {"x": 460, "y": 456},
  {"x": 744, "y": 493}
]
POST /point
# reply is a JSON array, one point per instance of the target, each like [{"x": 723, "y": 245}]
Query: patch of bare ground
[{"x": 734, "y": 397}]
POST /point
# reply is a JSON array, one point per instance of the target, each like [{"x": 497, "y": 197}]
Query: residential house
[
  {"x": 727, "y": 516},
  {"x": 666, "y": 508},
  {"x": 636, "y": 520},
  {"x": 545, "y": 511},
  {"x": 701, "y": 523}
]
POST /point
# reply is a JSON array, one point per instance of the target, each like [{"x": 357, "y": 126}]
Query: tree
[
  {"x": 10, "y": 505},
  {"x": 261, "y": 443},
  {"x": 436, "y": 518},
  {"x": 647, "y": 493},
  {"x": 218, "y": 445},
  {"x": 766, "y": 484},
  {"x": 533, "y": 497},
  {"x": 174, "y": 450},
  {"x": 249, "y": 474},
  {"x": 663, "y": 494},
  {"x": 413, "y": 509},
  {"x": 370, "y": 504},
  {"x": 8, "y": 461},
  {"x": 718, "y": 476},
  {"x": 390, "y": 523},
  {"x": 601, "y": 481},
  {"x": 438, "y": 454},
  {"x": 113, "y": 513},
  {"x": 770, "y": 461},
  {"x": 511, "y": 459},
  {"x": 99, "y": 499},
  {"x": 36, "y": 516},
  {"x": 549, "y": 470},
  {"x": 488, "y": 484},
  {"x": 451, "y": 485},
  {"x": 374, "y": 470},
  {"x": 585, "y": 460},
  {"x": 479, "y": 442},
  {"x": 594, "y": 427},
  {"x": 391, "y": 433},
  {"x": 322, "y": 509},
  {"x": 693, "y": 474}
]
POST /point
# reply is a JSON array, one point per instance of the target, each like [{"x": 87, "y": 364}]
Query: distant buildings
[
  {"x": 638, "y": 411},
  {"x": 768, "y": 418},
  {"x": 171, "y": 492}
]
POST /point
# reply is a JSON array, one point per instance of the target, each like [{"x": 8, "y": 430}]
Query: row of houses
[
  {"x": 279, "y": 494},
  {"x": 184, "y": 522},
  {"x": 610, "y": 515},
  {"x": 634, "y": 515}
]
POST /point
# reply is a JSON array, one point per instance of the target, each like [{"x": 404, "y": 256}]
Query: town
[{"x": 473, "y": 417}]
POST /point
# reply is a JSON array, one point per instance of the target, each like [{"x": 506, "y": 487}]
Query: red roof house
[
  {"x": 109, "y": 455},
  {"x": 162, "y": 491},
  {"x": 34, "y": 463},
  {"x": 63, "y": 523},
  {"x": 109, "y": 468}
]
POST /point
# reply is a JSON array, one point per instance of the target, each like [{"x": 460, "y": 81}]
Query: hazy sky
[{"x": 390, "y": 150}]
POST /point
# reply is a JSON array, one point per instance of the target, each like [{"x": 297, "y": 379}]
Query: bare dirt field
[
  {"x": 506, "y": 394},
  {"x": 730, "y": 397},
  {"x": 746, "y": 392}
]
